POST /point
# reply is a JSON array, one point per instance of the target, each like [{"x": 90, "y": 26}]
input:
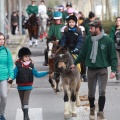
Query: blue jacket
[
  {"x": 6, "y": 64},
  {"x": 35, "y": 73},
  {"x": 72, "y": 38}
]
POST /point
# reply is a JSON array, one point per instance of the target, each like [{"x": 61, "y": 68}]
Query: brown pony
[
  {"x": 52, "y": 47},
  {"x": 70, "y": 81},
  {"x": 33, "y": 29}
]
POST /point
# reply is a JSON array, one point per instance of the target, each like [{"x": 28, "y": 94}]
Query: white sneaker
[
  {"x": 100, "y": 116},
  {"x": 92, "y": 114}
]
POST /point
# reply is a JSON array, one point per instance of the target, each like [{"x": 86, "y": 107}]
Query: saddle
[{"x": 78, "y": 65}]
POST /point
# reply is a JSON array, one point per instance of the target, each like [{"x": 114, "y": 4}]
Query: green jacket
[
  {"x": 49, "y": 13},
  {"x": 106, "y": 55},
  {"x": 112, "y": 33},
  {"x": 32, "y": 9},
  {"x": 64, "y": 15},
  {"x": 6, "y": 64},
  {"x": 55, "y": 31}
]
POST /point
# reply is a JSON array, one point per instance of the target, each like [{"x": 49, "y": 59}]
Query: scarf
[
  {"x": 26, "y": 63},
  {"x": 72, "y": 29},
  {"x": 95, "y": 40}
]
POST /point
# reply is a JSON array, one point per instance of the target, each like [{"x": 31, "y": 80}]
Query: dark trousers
[
  {"x": 94, "y": 76},
  {"x": 24, "y": 97},
  {"x": 13, "y": 29}
]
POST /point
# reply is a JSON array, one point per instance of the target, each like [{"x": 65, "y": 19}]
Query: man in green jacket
[
  {"x": 31, "y": 9},
  {"x": 98, "y": 53}
]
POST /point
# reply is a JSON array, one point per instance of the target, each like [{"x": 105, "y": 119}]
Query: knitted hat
[
  {"x": 24, "y": 51},
  {"x": 33, "y": 0},
  {"x": 72, "y": 17}
]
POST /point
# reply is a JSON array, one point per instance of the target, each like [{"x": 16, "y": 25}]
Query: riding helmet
[
  {"x": 70, "y": 10},
  {"x": 69, "y": 4},
  {"x": 24, "y": 51},
  {"x": 72, "y": 17},
  {"x": 57, "y": 15}
]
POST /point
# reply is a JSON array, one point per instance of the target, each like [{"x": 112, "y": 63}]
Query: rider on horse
[
  {"x": 32, "y": 9},
  {"x": 54, "y": 31},
  {"x": 72, "y": 37}
]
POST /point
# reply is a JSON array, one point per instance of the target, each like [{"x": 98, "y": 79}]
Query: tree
[
  {"x": 92, "y": 2},
  {"x": 103, "y": 9},
  {"x": 119, "y": 8},
  {"x": 108, "y": 10}
]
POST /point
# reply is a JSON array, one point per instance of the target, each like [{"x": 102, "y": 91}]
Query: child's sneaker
[{"x": 100, "y": 116}]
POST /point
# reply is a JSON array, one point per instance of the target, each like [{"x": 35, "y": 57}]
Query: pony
[
  {"x": 52, "y": 47},
  {"x": 33, "y": 28},
  {"x": 70, "y": 81}
]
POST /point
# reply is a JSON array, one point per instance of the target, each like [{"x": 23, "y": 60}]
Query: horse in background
[
  {"x": 32, "y": 25},
  {"x": 70, "y": 81},
  {"x": 52, "y": 47}
]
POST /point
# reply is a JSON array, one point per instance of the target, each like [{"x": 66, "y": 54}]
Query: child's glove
[
  {"x": 10, "y": 81},
  {"x": 75, "y": 51}
]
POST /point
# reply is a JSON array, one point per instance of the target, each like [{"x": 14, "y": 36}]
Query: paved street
[{"x": 52, "y": 105}]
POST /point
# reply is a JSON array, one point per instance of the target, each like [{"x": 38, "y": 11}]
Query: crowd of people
[{"x": 84, "y": 37}]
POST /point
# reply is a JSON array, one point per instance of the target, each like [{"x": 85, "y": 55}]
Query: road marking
[
  {"x": 83, "y": 113},
  {"x": 34, "y": 114}
]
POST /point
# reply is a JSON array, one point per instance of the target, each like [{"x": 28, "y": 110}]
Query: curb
[{"x": 14, "y": 55}]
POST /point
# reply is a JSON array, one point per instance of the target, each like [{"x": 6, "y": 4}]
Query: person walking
[
  {"x": 14, "y": 22},
  {"x": 24, "y": 72},
  {"x": 115, "y": 35},
  {"x": 91, "y": 17},
  {"x": 6, "y": 73},
  {"x": 98, "y": 53}
]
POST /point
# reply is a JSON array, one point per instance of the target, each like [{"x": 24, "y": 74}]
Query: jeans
[{"x": 3, "y": 96}]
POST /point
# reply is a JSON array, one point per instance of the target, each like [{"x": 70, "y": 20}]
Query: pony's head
[
  {"x": 62, "y": 62},
  {"x": 33, "y": 19},
  {"x": 62, "y": 59},
  {"x": 52, "y": 46}
]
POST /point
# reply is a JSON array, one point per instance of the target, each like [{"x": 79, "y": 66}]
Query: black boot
[
  {"x": 26, "y": 116},
  {"x": 46, "y": 58}
]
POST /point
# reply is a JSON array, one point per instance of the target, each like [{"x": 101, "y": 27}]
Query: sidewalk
[{"x": 14, "y": 43}]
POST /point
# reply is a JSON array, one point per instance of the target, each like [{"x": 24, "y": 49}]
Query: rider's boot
[{"x": 46, "y": 58}]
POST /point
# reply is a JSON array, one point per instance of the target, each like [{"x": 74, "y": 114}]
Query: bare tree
[
  {"x": 108, "y": 10},
  {"x": 92, "y": 2},
  {"x": 119, "y": 8},
  {"x": 103, "y": 9}
]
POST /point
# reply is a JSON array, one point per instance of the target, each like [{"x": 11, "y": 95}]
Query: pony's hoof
[
  {"x": 57, "y": 90},
  {"x": 30, "y": 45},
  {"x": 67, "y": 116},
  {"x": 35, "y": 45},
  {"x": 74, "y": 115},
  {"x": 78, "y": 104}
]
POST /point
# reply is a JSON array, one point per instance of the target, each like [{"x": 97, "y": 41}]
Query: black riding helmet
[
  {"x": 23, "y": 51},
  {"x": 69, "y": 4}
]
